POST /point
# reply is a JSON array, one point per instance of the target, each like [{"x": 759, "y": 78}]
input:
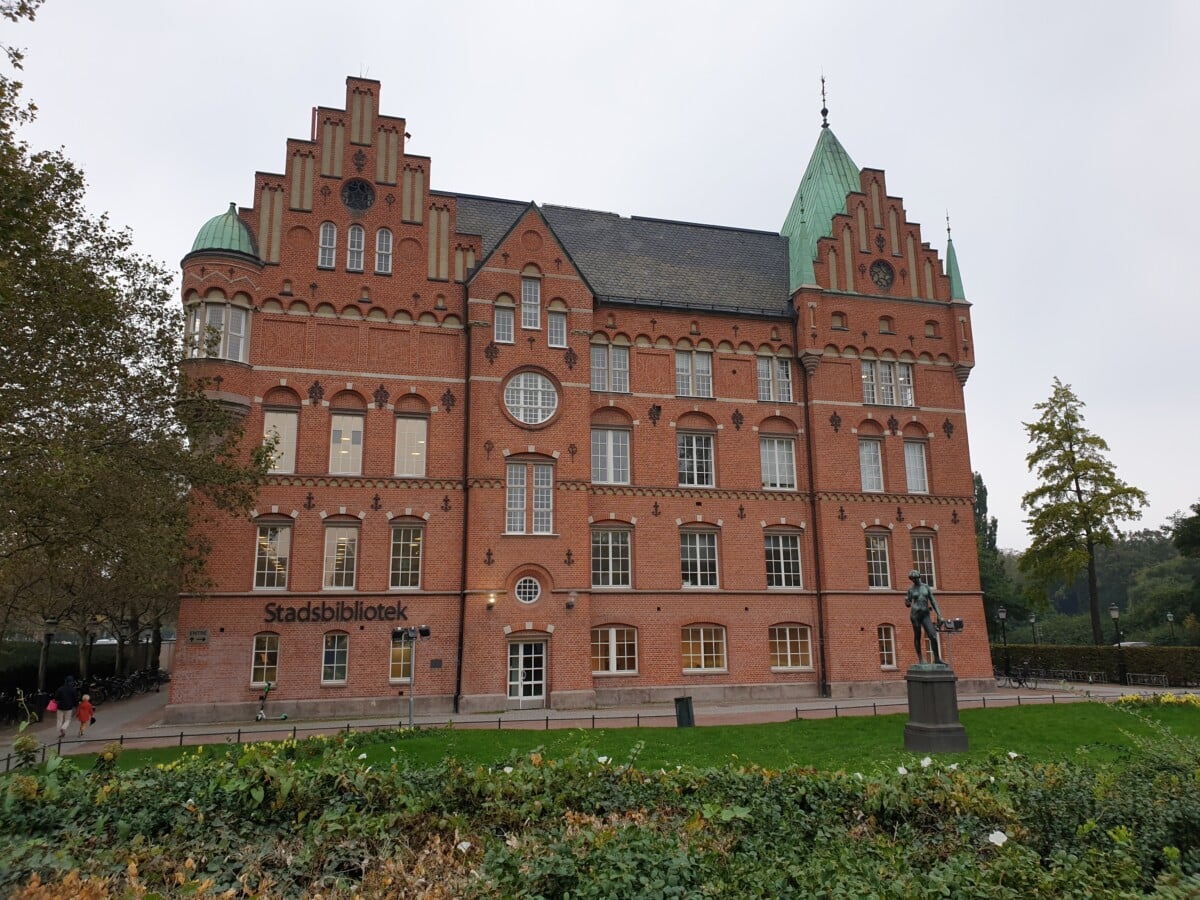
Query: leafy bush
[{"x": 1181, "y": 665}]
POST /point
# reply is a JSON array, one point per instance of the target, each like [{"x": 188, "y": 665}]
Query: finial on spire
[
  {"x": 948, "y": 225},
  {"x": 824, "y": 107}
]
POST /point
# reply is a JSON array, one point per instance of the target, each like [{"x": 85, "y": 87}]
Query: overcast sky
[{"x": 1059, "y": 136}]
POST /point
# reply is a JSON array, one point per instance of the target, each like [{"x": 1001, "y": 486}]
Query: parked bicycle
[{"x": 1020, "y": 677}]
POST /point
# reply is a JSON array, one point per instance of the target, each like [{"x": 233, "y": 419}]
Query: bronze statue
[{"x": 921, "y": 604}]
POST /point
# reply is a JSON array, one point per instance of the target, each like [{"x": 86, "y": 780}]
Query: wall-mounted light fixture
[
  {"x": 491, "y": 603},
  {"x": 571, "y": 597}
]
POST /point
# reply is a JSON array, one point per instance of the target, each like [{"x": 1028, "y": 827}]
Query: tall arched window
[
  {"x": 383, "y": 252},
  {"x": 355, "y": 240},
  {"x": 327, "y": 257}
]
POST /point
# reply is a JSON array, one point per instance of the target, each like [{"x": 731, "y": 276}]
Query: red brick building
[{"x": 603, "y": 459}]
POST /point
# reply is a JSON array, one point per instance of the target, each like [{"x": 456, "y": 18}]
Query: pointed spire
[
  {"x": 824, "y": 105},
  {"x": 956, "y": 285}
]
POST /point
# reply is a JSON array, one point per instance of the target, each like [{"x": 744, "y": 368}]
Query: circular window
[
  {"x": 530, "y": 398},
  {"x": 357, "y": 194},
  {"x": 528, "y": 590},
  {"x": 882, "y": 274}
]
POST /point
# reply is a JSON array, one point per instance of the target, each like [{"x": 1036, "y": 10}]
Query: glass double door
[{"x": 527, "y": 674}]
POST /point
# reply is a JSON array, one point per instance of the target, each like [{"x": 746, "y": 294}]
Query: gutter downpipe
[{"x": 466, "y": 514}]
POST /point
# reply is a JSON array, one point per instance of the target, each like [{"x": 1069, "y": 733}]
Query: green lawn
[{"x": 1081, "y": 732}]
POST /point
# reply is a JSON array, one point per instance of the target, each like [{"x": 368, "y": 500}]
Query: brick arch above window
[
  {"x": 778, "y": 425},
  {"x": 870, "y": 428},
  {"x": 612, "y": 417},
  {"x": 412, "y": 405},
  {"x": 915, "y": 431},
  {"x": 531, "y": 270},
  {"x": 696, "y": 421},
  {"x": 282, "y": 397},
  {"x": 348, "y": 400}
]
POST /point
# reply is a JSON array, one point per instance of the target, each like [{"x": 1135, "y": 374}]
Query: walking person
[
  {"x": 84, "y": 712},
  {"x": 66, "y": 698}
]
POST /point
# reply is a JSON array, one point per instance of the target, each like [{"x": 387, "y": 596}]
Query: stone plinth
[{"x": 933, "y": 725}]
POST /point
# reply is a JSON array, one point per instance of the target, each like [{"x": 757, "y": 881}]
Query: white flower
[
  {"x": 362, "y": 756},
  {"x": 1012, "y": 755},
  {"x": 925, "y": 763},
  {"x": 393, "y": 749},
  {"x": 991, "y": 779},
  {"x": 953, "y": 767},
  {"x": 508, "y": 770},
  {"x": 900, "y": 770},
  {"x": 998, "y": 838},
  {"x": 603, "y": 760},
  {"x": 858, "y": 775},
  {"x": 463, "y": 846}
]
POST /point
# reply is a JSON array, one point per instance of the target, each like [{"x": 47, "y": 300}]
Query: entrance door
[{"x": 527, "y": 674}]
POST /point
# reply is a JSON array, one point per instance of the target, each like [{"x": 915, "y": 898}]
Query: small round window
[
  {"x": 530, "y": 398},
  {"x": 528, "y": 590},
  {"x": 357, "y": 194}
]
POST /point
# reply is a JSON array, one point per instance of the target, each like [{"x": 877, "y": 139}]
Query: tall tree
[
  {"x": 1185, "y": 532},
  {"x": 998, "y": 589},
  {"x": 1078, "y": 502}
]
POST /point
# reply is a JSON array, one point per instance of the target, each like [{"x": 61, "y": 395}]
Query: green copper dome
[
  {"x": 830, "y": 176},
  {"x": 226, "y": 232}
]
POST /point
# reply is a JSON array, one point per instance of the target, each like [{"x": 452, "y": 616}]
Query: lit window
[
  {"x": 783, "y": 561},
  {"x": 610, "y": 456},
  {"x": 327, "y": 257},
  {"x": 531, "y": 303},
  {"x": 610, "y": 368},
  {"x": 870, "y": 462},
  {"x": 528, "y": 589},
  {"x": 922, "y": 551},
  {"x": 887, "y": 383},
  {"x": 345, "y": 444},
  {"x": 703, "y": 648},
  {"x": 355, "y": 240},
  {"x": 887, "y": 646},
  {"x": 614, "y": 649},
  {"x": 410, "y": 447},
  {"x": 383, "y": 252},
  {"x": 264, "y": 667},
  {"x": 774, "y": 379},
  {"x": 341, "y": 557},
  {"x": 556, "y": 328},
  {"x": 693, "y": 373},
  {"x": 271, "y": 557},
  {"x": 280, "y": 425},
  {"x": 521, "y": 478},
  {"x": 531, "y": 398},
  {"x": 400, "y": 662},
  {"x": 878, "y": 571},
  {"x": 334, "y": 657},
  {"x": 914, "y": 467},
  {"x": 698, "y": 558},
  {"x": 610, "y": 558},
  {"x": 778, "y": 457},
  {"x": 217, "y": 330},
  {"x": 791, "y": 647},
  {"x": 504, "y": 325},
  {"x": 406, "y": 556},
  {"x": 695, "y": 452}
]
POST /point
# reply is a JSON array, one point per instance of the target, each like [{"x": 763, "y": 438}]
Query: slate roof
[{"x": 653, "y": 261}]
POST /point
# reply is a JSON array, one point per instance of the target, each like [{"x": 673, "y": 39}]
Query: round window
[
  {"x": 530, "y": 398},
  {"x": 357, "y": 194},
  {"x": 528, "y": 590}
]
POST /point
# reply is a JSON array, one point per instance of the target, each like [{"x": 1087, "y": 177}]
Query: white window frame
[
  {"x": 610, "y": 455},
  {"x": 527, "y": 590},
  {"x": 782, "y": 553},
  {"x": 272, "y": 549},
  {"x": 218, "y": 329},
  {"x": 614, "y": 650},
  {"x": 923, "y": 553},
  {"x": 556, "y": 328},
  {"x": 335, "y": 657},
  {"x": 327, "y": 252},
  {"x": 916, "y": 470},
  {"x": 264, "y": 659},
  {"x": 790, "y": 647},
  {"x": 383, "y": 252},
  {"x": 870, "y": 463},
  {"x": 774, "y": 379},
  {"x": 778, "y": 458},
  {"x": 693, "y": 373},
  {"x": 610, "y": 368},
  {"x": 696, "y": 456},
  {"x": 503, "y": 326},
  {"x": 412, "y": 448},
  {"x": 886, "y": 637},
  {"x": 887, "y": 383},
  {"x": 699, "y": 566},
  {"x": 283, "y": 424},
  {"x": 879, "y": 571},
  {"x": 356, "y": 242},
  {"x": 407, "y": 555},
  {"x": 530, "y": 487},
  {"x": 346, "y": 443},
  {"x": 612, "y": 558},
  {"x": 531, "y": 304},
  {"x": 531, "y": 398},
  {"x": 341, "y": 558},
  {"x": 709, "y": 650}
]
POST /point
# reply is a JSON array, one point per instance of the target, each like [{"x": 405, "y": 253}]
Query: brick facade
[{"x": 302, "y": 337}]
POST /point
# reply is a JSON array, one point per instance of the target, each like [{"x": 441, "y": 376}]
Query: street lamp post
[
  {"x": 1171, "y": 622},
  {"x": 410, "y": 635},
  {"x": 43, "y": 658},
  {"x": 1003, "y": 614},
  {"x": 1033, "y": 625},
  {"x": 1115, "y": 613}
]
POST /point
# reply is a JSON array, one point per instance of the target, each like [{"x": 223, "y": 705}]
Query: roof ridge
[{"x": 705, "y": 225}]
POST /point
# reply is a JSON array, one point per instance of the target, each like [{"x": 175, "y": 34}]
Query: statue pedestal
[{"x": 933, "y": 725}]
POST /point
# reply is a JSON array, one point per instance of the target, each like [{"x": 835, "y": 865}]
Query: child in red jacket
[{"x": 84, "y": 712}]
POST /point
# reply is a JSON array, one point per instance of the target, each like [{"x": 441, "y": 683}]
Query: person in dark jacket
[{"x": 67, "y": 698}]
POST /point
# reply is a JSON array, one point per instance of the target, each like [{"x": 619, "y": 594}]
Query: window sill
[
  {"x": 404, "y": 590},
  {"x": 337, "y": 590},
  {"x": 611, "y": 588},
  {"x": 536, "y": 534},
  {"x": 622, "y": 674},
  {"x": 705, "y": 671},
  {"x": 333, "y": 684},
  {"x": 400, "y": 682},
  {"x": 269, "y": 590},
  {"x": 786, "y": 669},
  {"x": 700, "y": 587},
  {"x": 890, "y": 668}
]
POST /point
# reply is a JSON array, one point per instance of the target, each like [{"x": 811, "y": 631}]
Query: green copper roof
[
  {"x": 956, "y": 288},
  {"x": 226, "y": 232},
  {"x": 830, "y": 176}
]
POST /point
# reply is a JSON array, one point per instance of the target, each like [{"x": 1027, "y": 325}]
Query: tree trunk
[
  {"x": 84, "y": 657},
  {"x": 1094, "y": 595},
  {"x": 156, "y": 645}
]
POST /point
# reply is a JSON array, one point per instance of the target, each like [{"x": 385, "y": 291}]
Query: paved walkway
[{"x": 138, "y": 721}]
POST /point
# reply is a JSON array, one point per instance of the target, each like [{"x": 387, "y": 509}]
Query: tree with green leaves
[
  {"x": 1079, "y": 499},
  {"x": 1185, "y": 532},
  {"x": 998, "y": 589}
]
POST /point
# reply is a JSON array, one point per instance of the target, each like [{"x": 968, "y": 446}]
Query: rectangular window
[
  {"x": 791, "y": 647},
  {"x": 400, "y": 663},
  {"x": 695, "y": 459},
  {"x": 610, "y": 558},
  {"x": 281, "y": 425},
  {"x": 774, "y": 379},
  {"x": 194, "y": 339},
  {"x": 271, "y": 557},
  {"x": 514, "y": 519},
  {"x": 614, "y": 649},
  {"x": 914, "y": 467},
  {"x": 783, "y": 561},
  {"x": 870, "y": 462},
  {"x": 878, "y": 571},
  {"x": 610, "y": 368},
  {"x": 693, "y": 373},
  {"x": 383, "y": 252},
  {"x": 264, "y": 667},
  {"x": 778, "y": 463},
  {"x": 543, "y": 499},
  {"x": 703, "y": 648},
  {"x": 556, "y": 328},
  {"x": 345, "y": 445},
  {"x": 922, "y": 551},
  {"x": 327, "y": 257},
  {"x": 887, "y": 646},
  {"x": 504, "y": 325},
  {"x": 610, "y": 456},
  {"x": 410, "y": 447},
  {"x": 334, "y": 657},
  {"x": 698, "y": 558},
  {"x": 888, "y": 383},
  {"x": 406, "y": 556},
  {"x": 341, "y": 558},
  {"x": 517, "y": 500},
  {"x": 355, "y": 239},
  {"x": 531, "y": 303},
  {"x": 235, "y": 347}
]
